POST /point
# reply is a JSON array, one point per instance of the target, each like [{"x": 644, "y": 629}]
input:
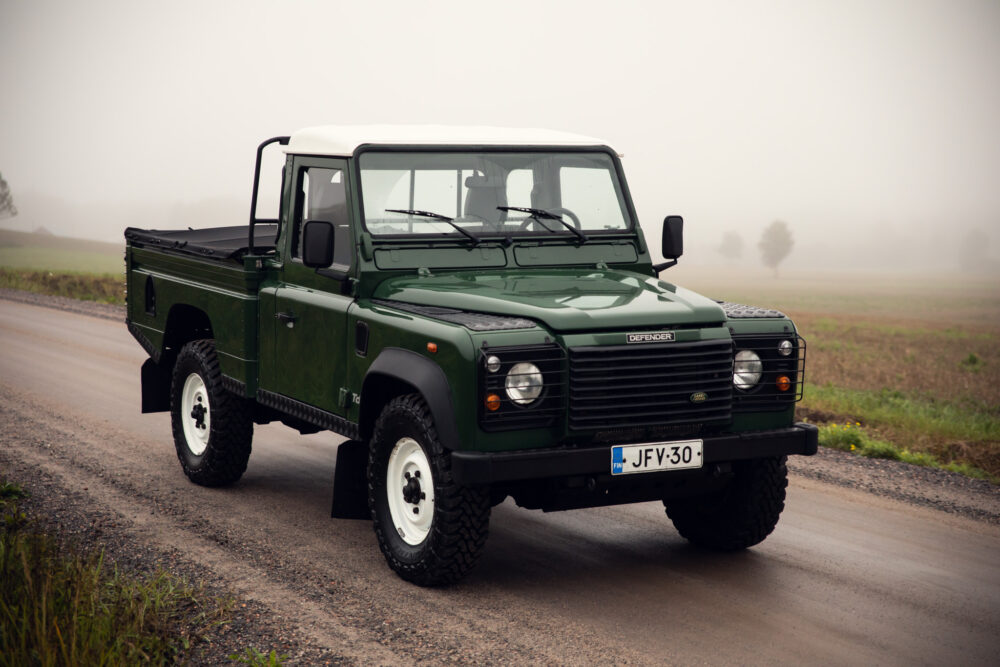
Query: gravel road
[{"x": 873, "y": 561}]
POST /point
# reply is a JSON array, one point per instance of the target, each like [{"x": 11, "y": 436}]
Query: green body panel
[
  {"x": 455, "y": 258},
  {"x": 226, "y": 293},
  {"x": 571, "y": 299},
  {"x": 577, "y": 295},
  {"x": 389, "y": 328},
  {"x": 592, "y": 253}
]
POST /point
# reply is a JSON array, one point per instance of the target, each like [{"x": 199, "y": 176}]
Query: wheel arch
[
  {"x": 396, "y": 372},
  {"x": 185, "y": 323}
]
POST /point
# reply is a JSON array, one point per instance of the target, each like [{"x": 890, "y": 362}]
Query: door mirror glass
[
  {"x": 673, "y": 237},
  {"x": 317, "y": 244}
]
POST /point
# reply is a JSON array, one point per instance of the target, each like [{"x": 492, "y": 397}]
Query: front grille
[{"x": 650, "y": 385}]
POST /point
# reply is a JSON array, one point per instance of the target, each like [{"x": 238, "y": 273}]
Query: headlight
[
  {"x": 747, "y": 369},
  {"x": 524, "y": 383},
  {"x": 785, "y": 348}
]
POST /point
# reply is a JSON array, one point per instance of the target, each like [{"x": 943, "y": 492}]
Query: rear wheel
[
  {"x": 431, "y": 530},
  {"x": 739, "y": 516},
  {"x": 212, "y": 427}
]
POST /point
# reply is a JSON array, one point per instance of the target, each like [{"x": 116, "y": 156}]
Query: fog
[{"x": 871, "y": 128}]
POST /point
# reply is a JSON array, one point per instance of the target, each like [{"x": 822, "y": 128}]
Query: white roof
[{"x": 344, "y": 139}]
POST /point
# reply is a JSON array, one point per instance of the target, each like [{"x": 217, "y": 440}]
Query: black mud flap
[
  {"x": 155, "y": 387},
  {"x": 350, "y": 482}
]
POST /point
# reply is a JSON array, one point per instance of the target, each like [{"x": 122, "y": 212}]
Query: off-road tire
[
  {"x": 461, "y": 514},
  {"x": 739, "y": 516},
  {"x": 230, "y": 431}
]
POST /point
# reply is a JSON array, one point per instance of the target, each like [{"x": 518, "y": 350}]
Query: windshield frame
[{"x": 631, "y": 220}]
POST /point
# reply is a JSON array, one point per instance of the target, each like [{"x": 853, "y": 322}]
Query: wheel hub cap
[
  {"x": 409, "y": 490},
  {"x": 195, "y": 414}
]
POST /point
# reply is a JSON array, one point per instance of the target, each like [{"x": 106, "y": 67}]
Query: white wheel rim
[
  {"x": 411, "y": 510},
  {"x": 195, "y": 414}
]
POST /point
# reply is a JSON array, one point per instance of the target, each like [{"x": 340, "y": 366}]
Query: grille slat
[{"x": 650, "y": 385}]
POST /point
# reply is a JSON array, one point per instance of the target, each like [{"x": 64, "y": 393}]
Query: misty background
[{"x": 871, "y": 128}]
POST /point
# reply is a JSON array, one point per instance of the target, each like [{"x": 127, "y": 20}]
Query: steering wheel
[{"x": 555, "y": 211}]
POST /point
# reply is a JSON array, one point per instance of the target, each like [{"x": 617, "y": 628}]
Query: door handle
[{"x": 287, "y": 318}]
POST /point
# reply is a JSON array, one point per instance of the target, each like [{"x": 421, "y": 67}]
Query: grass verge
[
  {"x": 104, "y": 288},
  {"x": 918, "y": 416},
  {"x": 854, "y": 438},
  {"x": 61, "y": 607}
]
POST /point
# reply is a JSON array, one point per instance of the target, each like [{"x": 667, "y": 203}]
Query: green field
[
  {"x": 909, "y": 363},
  {"x": 44, "y": 252}
]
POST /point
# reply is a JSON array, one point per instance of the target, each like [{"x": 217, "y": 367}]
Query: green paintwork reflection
[{"x": 563, "y": 299}]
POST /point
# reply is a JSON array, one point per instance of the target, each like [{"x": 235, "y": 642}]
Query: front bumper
[{"x": 469, "y": 468}]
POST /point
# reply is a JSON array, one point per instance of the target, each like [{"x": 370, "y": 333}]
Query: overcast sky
[{"x": 871, "y": 123}]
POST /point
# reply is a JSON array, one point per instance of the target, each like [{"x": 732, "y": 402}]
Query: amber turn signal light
[
  {"x": 784, "y": 383},
  {"x": 492, "y": 402},
  {"x": 432, "y": 348}
]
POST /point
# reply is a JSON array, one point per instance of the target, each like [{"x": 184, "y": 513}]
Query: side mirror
[
  {"x": 317, "y": 244},
  {"x": 673, "y": 237}
]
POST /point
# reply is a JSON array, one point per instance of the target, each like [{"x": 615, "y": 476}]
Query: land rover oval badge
[{"x": 699, "y": 397}]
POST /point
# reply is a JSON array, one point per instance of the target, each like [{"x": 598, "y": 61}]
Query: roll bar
[{"x": 256, "y": 183}]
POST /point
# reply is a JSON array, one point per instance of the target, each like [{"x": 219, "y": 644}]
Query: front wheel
[
  {"x": 212, "y": 427},
  {"x": 740, "y": 515},
  {"x": 431, "y": 530}
]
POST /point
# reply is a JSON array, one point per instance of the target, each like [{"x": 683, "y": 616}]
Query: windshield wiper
[
  {"x": 437, "y": 216},
  {"x": 542, "y": 214}
]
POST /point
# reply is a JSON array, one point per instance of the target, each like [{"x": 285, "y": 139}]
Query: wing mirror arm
[{"x": 664, "y": 266}]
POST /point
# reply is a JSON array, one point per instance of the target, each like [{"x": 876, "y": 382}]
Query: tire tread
[{"x": 230, "y": 442}]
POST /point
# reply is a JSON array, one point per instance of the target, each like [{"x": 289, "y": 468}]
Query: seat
[{"x": 485, "y": 194}]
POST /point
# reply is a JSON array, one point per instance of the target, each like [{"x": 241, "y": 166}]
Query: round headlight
[
  {"x": 785, "y": 348},
  {"x": 524, "y": 383},
  {"x": 747, "y": 369},
  {"x": 492, "y": 363}
]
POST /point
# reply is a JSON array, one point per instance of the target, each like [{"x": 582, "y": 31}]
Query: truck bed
[{"x": 224, "y": 243}]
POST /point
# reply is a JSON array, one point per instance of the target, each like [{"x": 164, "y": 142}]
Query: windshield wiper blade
[
  {"x": 541, "y": 213},
  {"x": 437, "y": 216}
]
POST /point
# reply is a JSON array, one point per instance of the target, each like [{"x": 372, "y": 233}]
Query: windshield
[{"x": 489, "y": 193}]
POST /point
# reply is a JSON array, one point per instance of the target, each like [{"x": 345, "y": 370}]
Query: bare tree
[
  {"x": 775, "y": 244},
  {"x": 7, "y": 208},
  {"x": 731, "y": 246}
]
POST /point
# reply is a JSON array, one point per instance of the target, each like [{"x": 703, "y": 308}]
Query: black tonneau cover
[{"x": 214, "y": 242}]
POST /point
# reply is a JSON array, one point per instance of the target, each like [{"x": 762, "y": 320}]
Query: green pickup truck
[{"x": 477, "y": 312}]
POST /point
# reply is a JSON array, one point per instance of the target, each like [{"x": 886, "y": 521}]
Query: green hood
[{"x": 562, "y": 299}]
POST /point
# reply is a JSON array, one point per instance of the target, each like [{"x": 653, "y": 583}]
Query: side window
[{"x": 323, "y": 197}]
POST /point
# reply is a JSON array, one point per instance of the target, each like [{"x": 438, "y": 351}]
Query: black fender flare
[{"x": 394, "y": 365}]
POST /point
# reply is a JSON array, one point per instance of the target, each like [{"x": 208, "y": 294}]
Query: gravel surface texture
[{"x": 105, "y": 311}]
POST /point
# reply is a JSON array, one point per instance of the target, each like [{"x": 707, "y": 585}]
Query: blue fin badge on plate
[{"x": 617, "y": 460}]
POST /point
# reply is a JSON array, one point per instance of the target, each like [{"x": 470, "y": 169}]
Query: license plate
[{"x": 653, "y": 456}]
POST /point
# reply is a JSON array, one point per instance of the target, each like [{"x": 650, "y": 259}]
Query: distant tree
[
  {"x": 775, "y": 244},
  {"x": 731, "y": 246},
  {"x": 7, "y": 208},
  {"x": 973, "y": 251}
]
